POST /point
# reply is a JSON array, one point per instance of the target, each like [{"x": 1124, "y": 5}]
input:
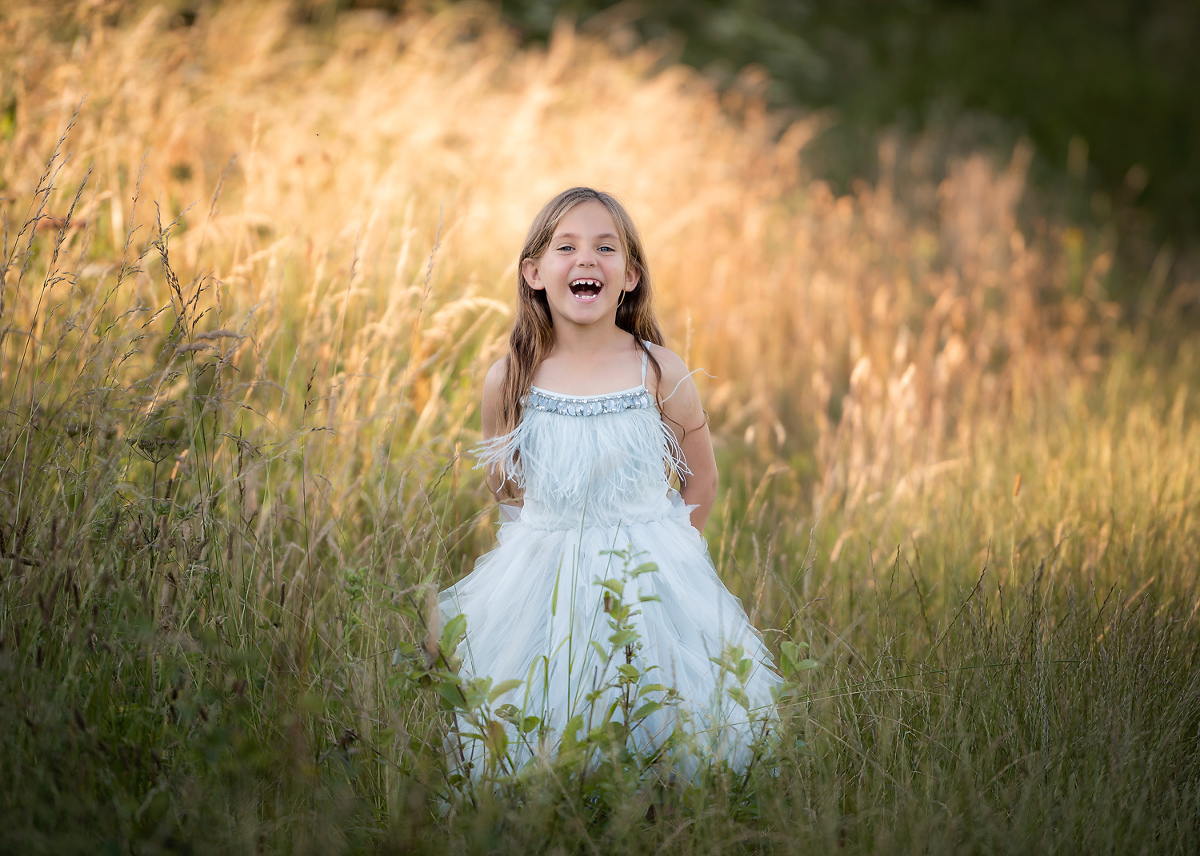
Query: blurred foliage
[{"x": 1106, "y": 89}]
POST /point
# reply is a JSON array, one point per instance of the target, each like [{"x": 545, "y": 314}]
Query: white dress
[{"x": 595, "y": 472}]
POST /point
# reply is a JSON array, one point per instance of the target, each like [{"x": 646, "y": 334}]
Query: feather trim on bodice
[{"x": 603, "y": 452}]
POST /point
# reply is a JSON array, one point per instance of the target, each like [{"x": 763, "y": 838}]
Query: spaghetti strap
[{"x": 645, "y": 355}]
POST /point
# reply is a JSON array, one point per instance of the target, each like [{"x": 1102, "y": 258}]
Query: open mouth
[{"x": 586, "y": 289}]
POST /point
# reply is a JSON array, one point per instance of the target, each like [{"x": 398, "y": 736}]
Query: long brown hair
[{"x": 532, "y": 335}]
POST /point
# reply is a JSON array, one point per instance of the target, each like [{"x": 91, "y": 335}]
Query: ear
[
  {"x": 632, "y": 278},
  {"x": 529, "y": 270}
]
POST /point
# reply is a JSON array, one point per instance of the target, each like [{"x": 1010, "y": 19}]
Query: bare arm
[
  {"x": 490, "y": 417},
  {"x": 686, "y": 417}
]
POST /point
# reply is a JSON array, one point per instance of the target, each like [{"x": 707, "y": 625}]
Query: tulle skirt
[{"x": 620, "y": 618}]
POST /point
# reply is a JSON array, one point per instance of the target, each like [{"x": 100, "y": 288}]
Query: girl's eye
[
  {"x": 565, "y": 248},
  {"x": 609, "y": 249}
]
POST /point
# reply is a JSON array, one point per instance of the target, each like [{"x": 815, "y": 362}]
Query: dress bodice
[{"x": 589, "y": 460}]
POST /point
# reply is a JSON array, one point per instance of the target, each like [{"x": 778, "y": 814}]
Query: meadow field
[{"x": 254, "y": 270}]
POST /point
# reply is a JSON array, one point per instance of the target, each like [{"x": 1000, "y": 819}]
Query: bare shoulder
[
  {"x": 677, "y": 392},
  {"x": 673, "y": 368},
  {"x": 495, "y": 377}
]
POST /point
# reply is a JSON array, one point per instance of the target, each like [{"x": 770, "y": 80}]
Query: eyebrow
[{"x": 608, "y": 235}]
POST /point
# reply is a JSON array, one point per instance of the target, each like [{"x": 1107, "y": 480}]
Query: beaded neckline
[
  {"x": 637, "y": 398},
  {"x": 641, "y": 387}
]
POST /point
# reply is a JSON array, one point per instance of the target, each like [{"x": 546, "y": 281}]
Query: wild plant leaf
[
  {"x": 429, "y": 580},
  {"x": 649, "y": 598},
  {"x": 618, "y": 614},
  {"x": 622, "y": 637},
  {"x": 783, "y": 689},
  {"x": 599, "y": 649},
  {"x": 454, "y": 630},
  {"x": 739, "y": 695},
  {"x": 630, "y": 671},
  {"x": 529, "y": 723},
  {"x": 475, "y": 692},
  {"x": 451, "y": 693},
  {"x": 646, "y": 709},
  {"x": 497, "y": 738},
  {"x": 609, "y": 713},
  {"x": 651, "y": 688},
  {"x": 787, "y": 657},
  {"x": 743, "y": 669},
  {"x": 793, "y": 649},
  {"x": 503, "y": 687},
  {"x": 614, "y": 585},
  {"x": 570, "y": 734},
  {"x": 790, "y": 655},
  {"x": 395, "y": 682},
  {"x": 507, "y": 712}
]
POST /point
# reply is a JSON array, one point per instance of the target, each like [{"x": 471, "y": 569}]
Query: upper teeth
[{"x": 595, "y": 282}]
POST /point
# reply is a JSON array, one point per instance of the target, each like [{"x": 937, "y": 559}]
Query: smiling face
[{"x": 584, "y": 269}]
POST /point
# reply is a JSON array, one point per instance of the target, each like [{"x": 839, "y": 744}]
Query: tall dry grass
[{"x": 253, "y": 273}]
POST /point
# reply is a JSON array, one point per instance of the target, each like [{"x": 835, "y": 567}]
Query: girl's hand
[{"x": 683, "y": 413}]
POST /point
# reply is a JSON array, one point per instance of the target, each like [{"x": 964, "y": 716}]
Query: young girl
[{"x": 585, "y": 422}]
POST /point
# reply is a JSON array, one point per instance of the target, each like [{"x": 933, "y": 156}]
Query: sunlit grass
[{"x": 248, "y": 298}]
